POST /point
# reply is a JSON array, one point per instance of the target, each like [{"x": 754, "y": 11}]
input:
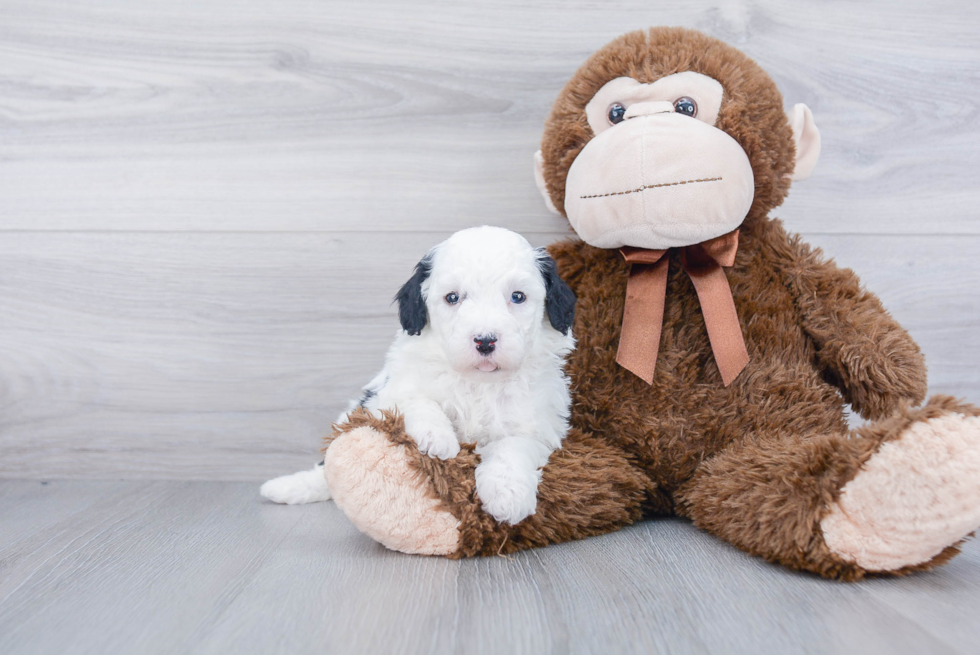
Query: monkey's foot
[
  {"x": 382, "y": 492},
  {"x": 915, "y": 497}
]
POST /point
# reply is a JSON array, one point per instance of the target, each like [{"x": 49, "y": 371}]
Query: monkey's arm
[{"x": 860, "y": 347}]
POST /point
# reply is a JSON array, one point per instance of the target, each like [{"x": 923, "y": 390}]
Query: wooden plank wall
[{"x": 205, "y": 207}]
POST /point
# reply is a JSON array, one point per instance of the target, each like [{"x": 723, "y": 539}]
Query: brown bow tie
[{"x": 646, "y": 293}]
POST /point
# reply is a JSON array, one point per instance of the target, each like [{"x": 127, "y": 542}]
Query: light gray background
[{"x": 205, "y": 209}]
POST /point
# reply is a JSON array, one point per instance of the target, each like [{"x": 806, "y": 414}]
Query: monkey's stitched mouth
[{"x": 650, "y": 186}]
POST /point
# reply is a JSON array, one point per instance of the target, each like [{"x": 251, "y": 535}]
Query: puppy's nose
[{"x": 485, "y": 343}]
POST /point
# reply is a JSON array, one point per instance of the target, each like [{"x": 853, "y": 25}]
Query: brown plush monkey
[{"x": 721, "y": 396}]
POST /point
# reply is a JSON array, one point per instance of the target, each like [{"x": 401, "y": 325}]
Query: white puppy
[{"x": 486, "y": 325}]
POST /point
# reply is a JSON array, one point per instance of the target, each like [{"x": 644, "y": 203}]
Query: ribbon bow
[{"x": 646, "y": 292}]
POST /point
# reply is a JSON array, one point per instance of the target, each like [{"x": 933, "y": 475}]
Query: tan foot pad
[
  {"x": 917, "y": 495},
  {"x": 374, "y": 483}
]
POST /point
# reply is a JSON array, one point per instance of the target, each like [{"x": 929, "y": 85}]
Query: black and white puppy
[{"x": 486, "y": 326}]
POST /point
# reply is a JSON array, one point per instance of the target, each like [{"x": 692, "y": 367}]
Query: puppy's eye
[
  {"x": 686, "y": 106},
  {"x": 615, "y": 113},
  {"x": 452, "y": 297},
  {"x": 518, "y": 297}
]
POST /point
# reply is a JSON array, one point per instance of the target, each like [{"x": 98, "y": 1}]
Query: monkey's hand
[{"x": 860, "y": 347}]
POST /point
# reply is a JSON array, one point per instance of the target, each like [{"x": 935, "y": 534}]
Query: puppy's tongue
[{"x": 486, "y": 365}]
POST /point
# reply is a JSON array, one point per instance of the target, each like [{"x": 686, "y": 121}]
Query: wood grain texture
[
  {"x": 205, "y": 207},
  {"x": 226, "y": 356},
  {"x": 165, "y": 567},
  {"x": 188, "y": 355},
  {"x": 288, "y": 115}
]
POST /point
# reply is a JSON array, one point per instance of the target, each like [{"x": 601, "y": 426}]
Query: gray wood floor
[
  {"x": 205, "y": 208},
  {"x": 207, "y": 567}
]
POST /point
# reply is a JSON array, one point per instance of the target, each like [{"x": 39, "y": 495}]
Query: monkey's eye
[
  {"x": 452, "y": 297},
  {"x": 686, "y": 106},
  {"x": 616, "y": 113},
  {"x": 518, "y": 297}
]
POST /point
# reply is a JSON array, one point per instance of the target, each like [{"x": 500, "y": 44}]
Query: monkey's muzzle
[{"x": 658, "y": 180}]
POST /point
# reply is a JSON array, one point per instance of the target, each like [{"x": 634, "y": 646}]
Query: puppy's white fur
[{"x": 513, "y": 402}]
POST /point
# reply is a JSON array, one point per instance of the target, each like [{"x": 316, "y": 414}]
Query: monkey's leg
[
  {"x": 894, "y": 497},
  {"x": 416, "y": 504}
]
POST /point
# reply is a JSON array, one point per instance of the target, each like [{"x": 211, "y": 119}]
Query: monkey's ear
[
  {"x": 411, "y": 303},
  {"x": 539, "y": 180},
  {"x": 806, "y": 137},
  {"x": 559, "y": 300}
]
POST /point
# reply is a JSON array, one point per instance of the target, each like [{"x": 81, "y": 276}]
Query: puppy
[{"x": 486, "y": 325}]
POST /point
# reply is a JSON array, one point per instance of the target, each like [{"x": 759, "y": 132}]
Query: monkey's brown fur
[{"x": 757, "y": 463}]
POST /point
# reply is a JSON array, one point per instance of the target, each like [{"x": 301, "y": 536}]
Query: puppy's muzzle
[{"x": 485, "y": 343}]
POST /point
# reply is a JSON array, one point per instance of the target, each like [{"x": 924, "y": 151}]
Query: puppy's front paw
[
  {"x": 508, "y": 495},
  {"x": 437, "y": 443}
]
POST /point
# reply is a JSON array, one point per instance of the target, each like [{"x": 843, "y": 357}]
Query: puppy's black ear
[
  {"x": 411, "y": 304},
  {"x": 559, "y": 299}
]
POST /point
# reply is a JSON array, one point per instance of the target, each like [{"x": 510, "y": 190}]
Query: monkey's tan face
[
  {"x": 656, "y": 167},
  {"x": 657, "y": 174}
]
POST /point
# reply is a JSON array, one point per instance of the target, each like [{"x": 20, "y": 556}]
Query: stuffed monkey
[{"x": 716, "y": 353}]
